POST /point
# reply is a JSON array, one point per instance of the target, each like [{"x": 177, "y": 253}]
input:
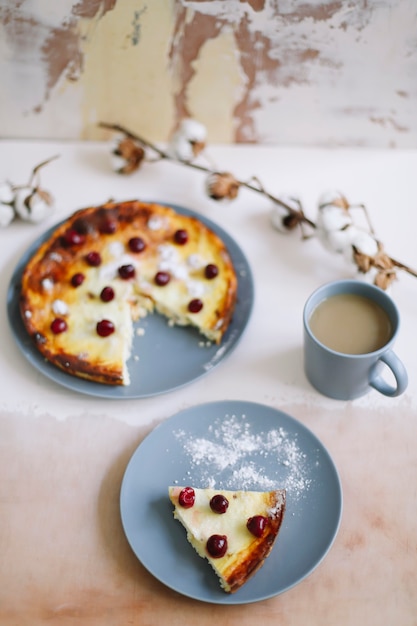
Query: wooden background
[{"x": 312, "y": 73}]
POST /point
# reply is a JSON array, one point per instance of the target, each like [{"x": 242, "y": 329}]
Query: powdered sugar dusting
[{"x": 231, "y": 456}]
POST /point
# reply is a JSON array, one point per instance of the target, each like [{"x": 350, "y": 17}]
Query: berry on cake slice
[{"x": 234, "y": 530}]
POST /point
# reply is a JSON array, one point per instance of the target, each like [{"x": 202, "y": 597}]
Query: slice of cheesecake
[{"x": 234, "y": 530}]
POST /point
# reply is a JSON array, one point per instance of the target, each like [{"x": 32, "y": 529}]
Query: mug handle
[{"x": 397, "y": 368}]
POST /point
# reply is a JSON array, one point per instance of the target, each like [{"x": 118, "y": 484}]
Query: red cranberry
[
  {"x": 93, "y": 259},
  {"x": 211, "y": 271},
  {"x": 219, "y": 503},
  {"x": 136, "y": 244},
  {"x": 217, "y": 546},
  {"x": 186, "y": 498},
  {"x": 107, "y": 294},
  {"x": 83, "y": 226},
  {"x": 105, "y": 328},
  {"x": 256, "y": 525},
  {"x": 195, "y": 306},
  {"x": 181, "y": 236},
  {"x": 126, "y": 271},
  {"x": 73, "y": 238},
  {"x": 108, "y": 226},
  {"x": 77, "y": 279},
  {"x": 58, "y": 326},
  {"x": 162, "y": 278}
]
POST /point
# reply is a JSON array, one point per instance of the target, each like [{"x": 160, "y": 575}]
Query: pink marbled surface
[{"x": 64, "y": 554}]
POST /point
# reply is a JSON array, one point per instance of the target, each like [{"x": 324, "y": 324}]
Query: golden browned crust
[
  {"x": 253, "y": 559},
  {"x": 55, "y": 262}
]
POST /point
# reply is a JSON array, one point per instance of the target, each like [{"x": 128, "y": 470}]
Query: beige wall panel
[{"x": 328, "y": 73}]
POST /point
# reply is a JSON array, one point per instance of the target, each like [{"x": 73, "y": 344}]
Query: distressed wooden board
[{"x": 313, "y": 73}]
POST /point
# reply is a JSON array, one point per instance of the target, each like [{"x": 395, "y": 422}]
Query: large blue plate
[
  {"x": 242, "y": 445},
  {"x": 170, "y": 357}
]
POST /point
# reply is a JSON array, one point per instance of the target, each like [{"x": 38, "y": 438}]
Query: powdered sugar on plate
[{"x": 231, "y": 456}]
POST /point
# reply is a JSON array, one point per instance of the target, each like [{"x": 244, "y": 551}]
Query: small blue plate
[{"x": 231, "y": 445}]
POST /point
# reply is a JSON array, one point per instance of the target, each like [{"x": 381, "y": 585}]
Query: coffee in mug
[
  {"x": 351, "y": 323},
  {"x": 349, "y": 331}
]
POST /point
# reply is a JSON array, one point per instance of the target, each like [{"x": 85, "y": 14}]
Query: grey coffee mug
[{"x": 348, "y": 376}]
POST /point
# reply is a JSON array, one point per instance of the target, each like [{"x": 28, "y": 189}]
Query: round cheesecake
[{"x": 105, "y": 267}]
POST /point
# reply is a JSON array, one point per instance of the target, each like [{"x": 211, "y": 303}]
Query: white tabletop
[{"x": 64, "y": 454}]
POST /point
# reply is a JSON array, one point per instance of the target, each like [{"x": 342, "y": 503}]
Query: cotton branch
[
  {"x": 295, "y": 217},
  {"x": 334, "y": 226}
]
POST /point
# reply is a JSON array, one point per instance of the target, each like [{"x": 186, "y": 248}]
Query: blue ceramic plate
[
  {"x": 170, "y": 357},
  {"x": 231, "y": 445}
]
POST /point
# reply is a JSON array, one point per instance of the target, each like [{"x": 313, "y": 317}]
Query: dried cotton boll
[
  {"x": 333, "y": 197},
  {"x": 338, "y": 241},
  {"x": 118, "y": 163},
  {"x": 6, "y": 193},
  {"x": 188, "y": 141},
  {"x": 364, "y": 242},
  {"x": 127, "y": 155},
  {"x": 384, "y": 280},
  {"x": 222, "y": 185},
  {"x": 331, "y": 217},
  {"x": 33, "y": 204},
  {"x": 193, "y": 130},
  {"x": 285, "y": 220},
  {"x": 333, "y": 228},
  {"x": 362, "y": 250},
  {"x": 383, "y": 267},
  {"x": 181, "y": 149}
]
